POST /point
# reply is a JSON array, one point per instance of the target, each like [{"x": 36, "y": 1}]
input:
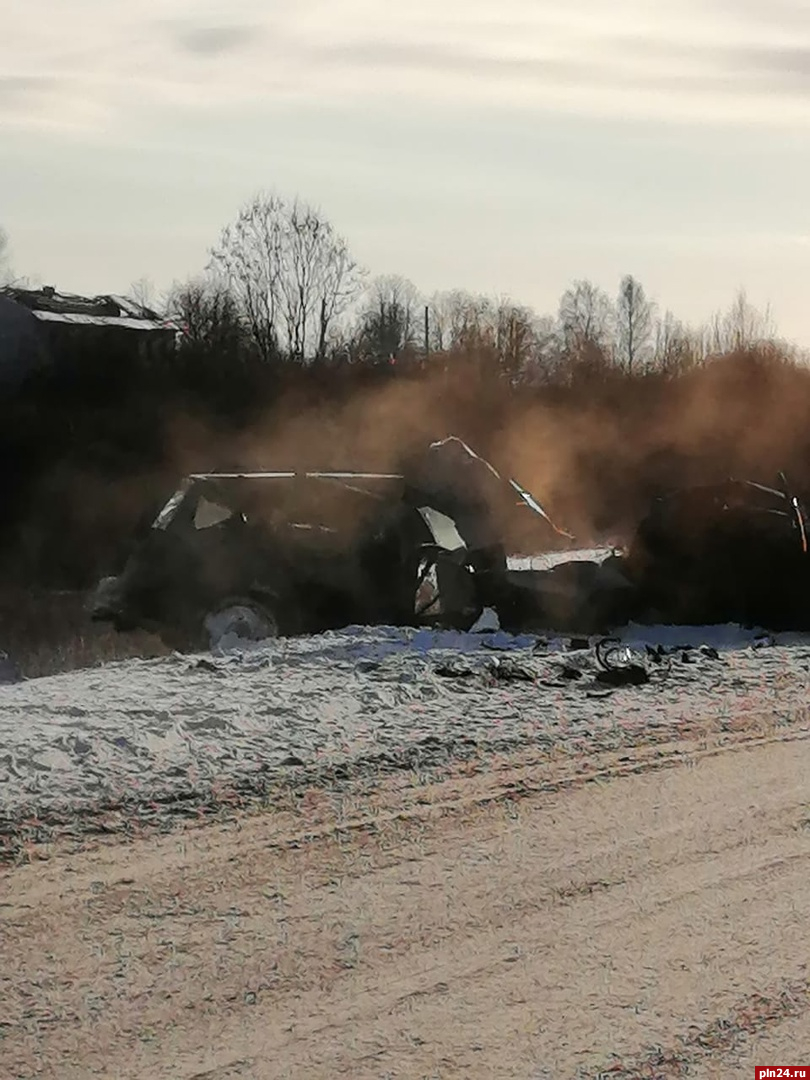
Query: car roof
[{"x": 295, "y": 475}]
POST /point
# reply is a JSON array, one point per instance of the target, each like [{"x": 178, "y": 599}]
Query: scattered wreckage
[{"x": 260, "y": 554}]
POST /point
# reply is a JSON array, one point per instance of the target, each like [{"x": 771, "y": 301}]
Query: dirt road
[{"x": 542, "y": 918}]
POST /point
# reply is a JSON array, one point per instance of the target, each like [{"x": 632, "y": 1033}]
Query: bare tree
[
  {"x": 291, "y": 273},
  {"x": 677, "y": 348},
  {"x": 389, "y": 323},
  {"x": 586, "y": 313},
  {"x": 743, "y": 326},
  {"x": 740, "y": 327},
  {"x": 517, "y": 338},
  {"x": 249, "y": 260},
  {"x": 462, "y": 320},
  {"x": 543, "y": 360},
  {"x": 586, "y": 319},
  {"x": 209, "y": 317},
  {"x": 6, "y": 275},
  {"x": 634, "y": 325},
  {"x": 439, "y": 315},
  {"x": 143, "y": 292}
]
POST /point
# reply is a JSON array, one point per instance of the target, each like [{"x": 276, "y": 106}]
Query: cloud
[
  {"x": 632, "y": 58},
  {"x": 632, "y": 65},
  {"x": 21, "y": 89},
  {"x": 448, "y": 60},
  {"x": 775, "y": 67},
  {"x": 781, "y": 69},
  {"x": 768, "y": 13},
  {"x": 215, "y": 40}
]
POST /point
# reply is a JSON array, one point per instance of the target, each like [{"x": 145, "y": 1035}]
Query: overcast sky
[{"x": 506, "y": 146}]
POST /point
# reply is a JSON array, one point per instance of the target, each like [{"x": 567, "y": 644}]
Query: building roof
[
  {"x": 48, "y": 305},
  {"x": 76, "y": 319}
]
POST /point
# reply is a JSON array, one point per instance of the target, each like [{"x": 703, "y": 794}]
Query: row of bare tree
[{"x": 282, "y": 284}]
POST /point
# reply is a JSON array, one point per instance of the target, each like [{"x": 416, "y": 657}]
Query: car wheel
[{"x": 240, "y": 621}]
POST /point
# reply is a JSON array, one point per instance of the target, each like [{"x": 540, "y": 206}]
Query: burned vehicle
[
  {"x": 736, "y": 551},
  {"x": 259, "y": 554},
  {"x": 729, "y": 552}
]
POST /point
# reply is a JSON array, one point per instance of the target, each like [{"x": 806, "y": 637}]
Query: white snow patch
[{"x": 142, "y": 727}]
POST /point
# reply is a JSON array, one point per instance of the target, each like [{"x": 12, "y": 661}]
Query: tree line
[{"x": 282, "y": 286}]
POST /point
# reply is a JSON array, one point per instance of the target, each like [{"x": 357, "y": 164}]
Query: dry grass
[{"x": 46, "y": 632}]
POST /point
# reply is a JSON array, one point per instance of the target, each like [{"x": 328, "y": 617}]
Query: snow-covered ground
[{"x": 363, "y": 696}]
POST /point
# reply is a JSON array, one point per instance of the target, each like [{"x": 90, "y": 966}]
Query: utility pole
[{"x": 427, "y": 331}]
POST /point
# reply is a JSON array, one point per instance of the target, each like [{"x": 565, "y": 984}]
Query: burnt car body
[
  {"x": 266, "y": 553},
  {"x": 736, "y": 551},
  {"x": 729, "y": 552}
]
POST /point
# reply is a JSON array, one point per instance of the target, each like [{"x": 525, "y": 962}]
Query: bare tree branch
[
  {"x": 586, "y": 315},
  {"x": 291, "y": 274},
  {"x": 677, "y": 348},
  {"x": 586, "y": 320},
  {"x": 6, "y": 275},
  {"x": 389, "y": 324},
  {"x": 634, "y": 325}
]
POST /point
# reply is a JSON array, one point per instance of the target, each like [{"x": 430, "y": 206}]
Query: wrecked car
[
  {"x": 730, "y": 552},
  {"x": 260, "y": 554},
  {"x": 736, "y": 551}
]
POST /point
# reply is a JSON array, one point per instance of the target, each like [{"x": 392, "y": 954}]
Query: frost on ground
[{"x": 364, "y": 698}]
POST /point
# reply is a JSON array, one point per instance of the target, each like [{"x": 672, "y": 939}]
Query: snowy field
[{"x": 363, "y": 698}]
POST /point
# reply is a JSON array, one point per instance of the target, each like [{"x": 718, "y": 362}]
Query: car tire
[{"x": 240, "y": 620}]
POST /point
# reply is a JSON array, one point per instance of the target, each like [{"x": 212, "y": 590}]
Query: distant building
[
  {"x": 22, "y": 346},
  {"x": 71, "y": 325}
]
